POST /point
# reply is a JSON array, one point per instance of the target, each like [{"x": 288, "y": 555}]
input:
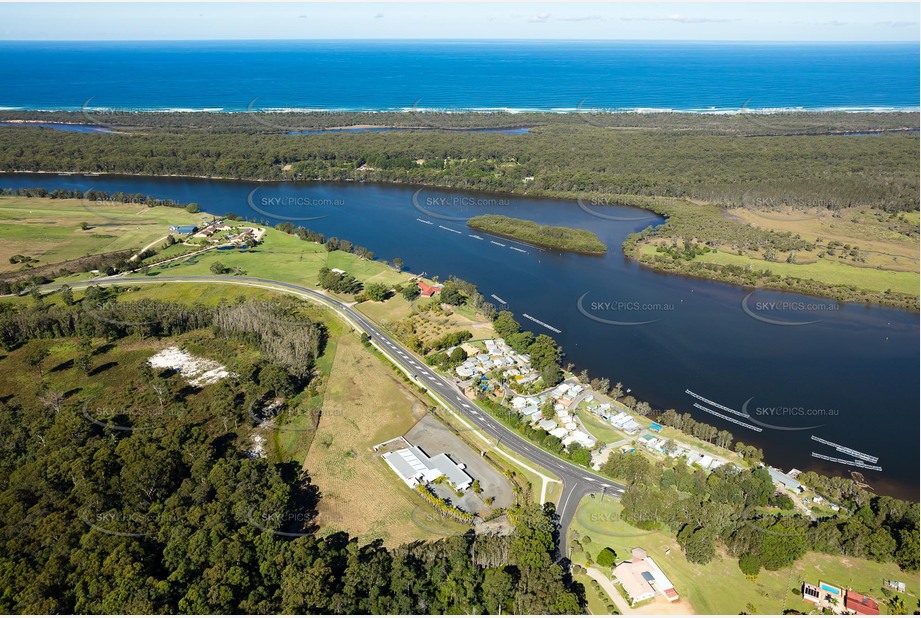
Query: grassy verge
[
  {"x": 598, "y": 428},
  {"x": 597, "y": 600}
]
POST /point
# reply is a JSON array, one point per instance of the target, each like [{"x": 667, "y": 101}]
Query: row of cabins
[
  {"x": 620, "y": 421},
  {"x": 566, "y": 394},
  {"x": 564, "y": 427},
  {"x": 658, "y": 445},
  {"x": 623, "y": 422}
]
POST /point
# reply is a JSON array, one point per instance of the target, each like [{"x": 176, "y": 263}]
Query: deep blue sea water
[{"x": 400, "y": 75}]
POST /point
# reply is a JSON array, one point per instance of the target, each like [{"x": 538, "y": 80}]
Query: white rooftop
[{"x": 414, "y": 466}]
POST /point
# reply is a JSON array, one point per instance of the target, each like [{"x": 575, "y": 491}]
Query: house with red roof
[
  {"x": 860, "y": 604},
  {"x": 428, "y": 290}
]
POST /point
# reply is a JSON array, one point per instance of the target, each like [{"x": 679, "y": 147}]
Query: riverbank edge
[
  {"x": 665, "y": 207},
  {"x": 568, "y": 373}
]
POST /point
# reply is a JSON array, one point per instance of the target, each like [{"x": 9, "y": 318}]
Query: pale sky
[{"x": 882, "y": 22}]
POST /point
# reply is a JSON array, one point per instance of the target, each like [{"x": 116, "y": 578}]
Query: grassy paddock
[
  {"x": 48, "y": 230},
  {"x": 880, "y": 236},
  {"x": 365, "y": 404},
  {"x": 827, "y": 271}
]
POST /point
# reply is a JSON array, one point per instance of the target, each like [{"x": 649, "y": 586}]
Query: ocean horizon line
[
  {"x": 746, "y": 42},
  {"x": 727, "y": 111}
]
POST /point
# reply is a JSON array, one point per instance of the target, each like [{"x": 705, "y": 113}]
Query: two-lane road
[{"x": 577, "y": 481}]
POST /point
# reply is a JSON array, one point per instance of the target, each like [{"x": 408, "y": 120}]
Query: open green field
[
  {"x": 48, "y": 230},
  {"x": 825, "y": 271},
  {"x": 887, "y": 240},
  {"x": 284, "y": 257},
  {"x": 719, "y": 587}
]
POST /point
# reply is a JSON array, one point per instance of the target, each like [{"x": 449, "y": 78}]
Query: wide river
[{"x": 848, "y": 374}]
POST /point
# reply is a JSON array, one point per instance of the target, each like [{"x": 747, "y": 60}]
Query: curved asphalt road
[{"x": 577, "y": 482}]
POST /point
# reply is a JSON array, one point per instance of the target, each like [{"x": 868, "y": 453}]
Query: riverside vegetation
[
  {"x": 690, "y": 169},
  {"x": 547, "y": 236}
]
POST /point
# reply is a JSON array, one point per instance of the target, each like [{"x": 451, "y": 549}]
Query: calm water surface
[{"x": 852, "y": 370}]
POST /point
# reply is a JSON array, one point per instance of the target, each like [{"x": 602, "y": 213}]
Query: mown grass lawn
[{"x": 49, "y": 231}]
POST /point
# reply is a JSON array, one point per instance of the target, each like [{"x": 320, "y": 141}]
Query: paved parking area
[{"x": 433, "y": 437}]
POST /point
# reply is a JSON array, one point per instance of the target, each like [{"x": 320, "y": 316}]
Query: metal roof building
[
  {"x": 414, "y": 466},
  {"x": 787, "y": 481}
]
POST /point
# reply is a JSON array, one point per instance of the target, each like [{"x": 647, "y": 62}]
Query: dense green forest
[
  {"x": 256, "y": 121},
  {"x": 549, "y": 236},
  {"x": 165, "y": 511},
  {"x": 556, "y": 159}
]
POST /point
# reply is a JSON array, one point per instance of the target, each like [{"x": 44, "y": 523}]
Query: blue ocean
[{"x": 458, "y": 75}]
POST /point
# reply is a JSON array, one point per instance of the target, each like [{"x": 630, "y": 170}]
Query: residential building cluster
[
  {"x": 564, "y": 426},
  {"x": 499, "y": 357},
  {"x": 620, "y": 421},
  {"x": 217, "y": 232}
]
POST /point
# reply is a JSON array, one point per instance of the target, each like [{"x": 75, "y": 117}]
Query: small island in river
[{"x": 546, "y": 236}]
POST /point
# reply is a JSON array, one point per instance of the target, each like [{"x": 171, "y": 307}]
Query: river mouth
[{"x": 800, "y": 366}]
